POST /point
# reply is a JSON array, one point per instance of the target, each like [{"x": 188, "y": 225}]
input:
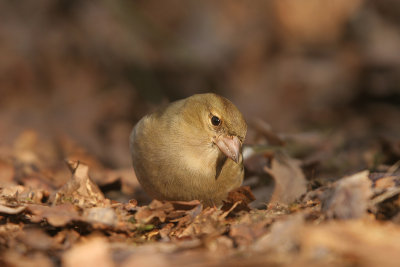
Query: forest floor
[{"x": 78, "y": 212}]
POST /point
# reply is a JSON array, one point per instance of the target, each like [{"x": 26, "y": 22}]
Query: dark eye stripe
[{"x": 215, "y": 121}]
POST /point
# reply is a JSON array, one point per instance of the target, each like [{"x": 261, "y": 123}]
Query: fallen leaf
[
  {"x": 80, "y": 189},
  {"x": 155, "y": 210},
  {"x": 245, "y": 234},
  {"x": 221, "y": 244},
  {"x": 55, "y": 215},
  {"x": 368, "y": 243},
  {"x": 148, "y": 259},
  {"x": 13, "y": 258},
  {"x": 206, "y": 223},
  {"x": 101, "y": 215},
  {"x": 284, "y": 236},
  {"x": 93, "y": 252},
  {"x": 349, "y": 197},
  {"x": 36, "y": 239},
  {"x": 290, "y": 182},
  {"x": 240, "y": 198},
  {"x": 385, "y": 182},
  {"x": 11, "y": 210}
]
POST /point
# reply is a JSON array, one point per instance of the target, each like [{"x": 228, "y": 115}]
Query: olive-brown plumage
[{"x": 190, "y": 150}]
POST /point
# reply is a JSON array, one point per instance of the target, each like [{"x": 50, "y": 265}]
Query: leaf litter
[{"x": 343, "y": 222}]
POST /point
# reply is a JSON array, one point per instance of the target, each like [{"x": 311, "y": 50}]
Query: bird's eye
[{"x": 215, "y": 121}]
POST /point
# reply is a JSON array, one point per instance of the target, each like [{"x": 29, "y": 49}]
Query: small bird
[{"x": 191, "y": 149}]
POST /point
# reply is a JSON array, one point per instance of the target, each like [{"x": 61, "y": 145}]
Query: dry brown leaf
[
  {"x": 385, "y": 182},
  {"x": 93, "y": 252},
  {"x": 55, "y": 215},
  {"x": 11, "y": 191},
  {"x": 245, "y": 234},
  {"x": 155, "y": 210},
  {"x": 36, "y": 239},
  {"x": 13, "y": 258},
  {"x": 9, "y": 231},
  {"x": 368, "y": 243},
  {"x": 206, "y": 223},
  {"x": 349, "y": 198},
  {"x": 166, "y": 230},
  {"x": 11, "y": 210},
  {"x": 29, "y": 195},
  {"x": 222, "y": 244},
  {"x": 284, "y": 236},
  {"x": 238, "y": 200},
  {"x": 102, "y": 215},
  {"x": 147, "y": 260},
  {"x": 80, "y": 189},
  {"x": 290, "y": 182},
  {"x": 66, "y": 238}
]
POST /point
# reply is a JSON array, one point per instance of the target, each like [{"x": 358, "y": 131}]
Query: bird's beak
[{"x": 229, "y": 145}]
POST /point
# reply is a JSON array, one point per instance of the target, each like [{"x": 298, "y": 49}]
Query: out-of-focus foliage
[{"x": 91, "y": 70}]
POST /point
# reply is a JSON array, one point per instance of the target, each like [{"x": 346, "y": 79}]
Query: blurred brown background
[{"x": 322, "y": 72}]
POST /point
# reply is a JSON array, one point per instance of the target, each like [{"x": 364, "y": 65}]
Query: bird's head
[{"x": 219, "y": 121}]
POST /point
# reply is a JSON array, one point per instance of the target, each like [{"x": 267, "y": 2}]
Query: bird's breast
[{"x": 200, "y": 160}]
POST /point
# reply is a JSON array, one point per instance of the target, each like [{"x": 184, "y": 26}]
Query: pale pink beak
[{"x": 230, "y": 146}]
